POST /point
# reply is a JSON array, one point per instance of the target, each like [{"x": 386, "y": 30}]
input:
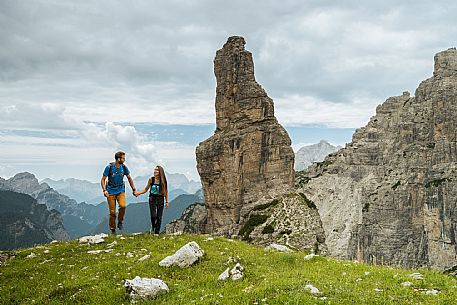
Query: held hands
[{"x": 135, "y": 193}]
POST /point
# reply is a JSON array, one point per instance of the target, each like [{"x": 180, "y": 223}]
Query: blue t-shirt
[{"x": 117, "y": 178}]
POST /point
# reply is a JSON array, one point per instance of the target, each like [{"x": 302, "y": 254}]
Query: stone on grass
[
  {"x": 184, "y": 257},
  {"x": 417, "y": 276},
  {"x": 312, "y": 289},
  {"x": 93, "y": 239},
  {"x": 224, "y": 275},
  {"x": 31, "y": 255},
  {"x": 145, "y": 288},
  {"x": 144, "y": 257},
  {"x": 310, "y": 256},
  {"x": 237, "y": 272},
  {"x": 99, "y": 251},
  {"x": 278, "y": 247},
  {"x": 432, "y": 292},
  {"x": 406, "y": 284}
]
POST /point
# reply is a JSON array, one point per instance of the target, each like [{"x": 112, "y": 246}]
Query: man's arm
[
  {"x": 103, "y": 184},
  {"x": 132, "y": 185}
]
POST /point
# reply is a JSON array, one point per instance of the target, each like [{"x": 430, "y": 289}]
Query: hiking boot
[
  {"x": 113, "y": 231},
  {"x": 120, "y": 226}
]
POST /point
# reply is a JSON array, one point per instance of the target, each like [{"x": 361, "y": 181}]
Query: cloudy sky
[{"x": 82, "y": 79}]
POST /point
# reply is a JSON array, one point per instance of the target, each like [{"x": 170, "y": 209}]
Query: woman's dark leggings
[{"x": 156, "y": 204}]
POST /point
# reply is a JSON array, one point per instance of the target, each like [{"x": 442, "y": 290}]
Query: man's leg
[
  {"x": 112, "y": 211},
  {"x": 160, "y": 203},
  {"x": 122, "y": 204}
]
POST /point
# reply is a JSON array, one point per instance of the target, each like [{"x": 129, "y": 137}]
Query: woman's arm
[
  {"x": 148, "y": 185},
  {"x": 166, "y": 199}
]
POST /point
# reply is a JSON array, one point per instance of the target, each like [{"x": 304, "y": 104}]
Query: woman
[{"x": 158, "y": 192}]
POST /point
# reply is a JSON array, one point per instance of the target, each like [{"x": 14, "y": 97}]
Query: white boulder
[
  {"x": 224, "y": 275},
  {"x": 184, "y": 257},
  {"x": 310, "y": 256},
  {"x": 237, "y": 272},
  {"x": 31, "y": 255},
  {"x": 93, "y": 239},
  {"x": 432, "y": 292},
  {"x": 312, "y": 289},
  {"x": 145, "y": 288},
  {"x": 278, "y": 247},
  {"x": 417, "y": 276},
  {"x": 147, "y": 256}
]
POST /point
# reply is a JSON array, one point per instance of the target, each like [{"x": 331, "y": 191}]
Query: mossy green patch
[
  {"x": 268, "y": 229},
  {"x": 267, "y": 205},
  {"x": 254, "y": 221},
  {"x": 436, "y": 182},
  {"x": 308, "y": 202}
]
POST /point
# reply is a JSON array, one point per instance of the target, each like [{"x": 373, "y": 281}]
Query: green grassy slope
[{"x": 69, "y": 275}]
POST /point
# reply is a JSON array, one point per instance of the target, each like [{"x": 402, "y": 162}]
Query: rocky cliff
[
  {"x": 25, "y": 223},
  {"x": 193, "y": 220},
  {"x": 250, "y": 153},
  {"x": 390, "y": 195}
]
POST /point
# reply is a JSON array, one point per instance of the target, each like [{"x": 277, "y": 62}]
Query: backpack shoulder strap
[{"x": 110, "y": 173}]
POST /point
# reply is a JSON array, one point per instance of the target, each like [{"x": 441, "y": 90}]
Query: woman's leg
[
  {"x": 160, "y": 204},
  {"x": 153, "y": 212}
]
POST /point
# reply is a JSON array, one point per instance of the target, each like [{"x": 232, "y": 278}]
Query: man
[{"x": 114, "y": 190}]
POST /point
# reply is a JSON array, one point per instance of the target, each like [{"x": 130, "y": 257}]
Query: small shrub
[
  {"x": 436, "y": 182},
  {"x": 287, "y": 231},
  {"x": 308, "y": 202},
  {"x": 254, "y": 221},
  {"x": 268, "y": 229},
  {"x": 396, "y": 185}
]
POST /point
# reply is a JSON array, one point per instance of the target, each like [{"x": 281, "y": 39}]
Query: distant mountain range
[
  {"x": 78, "y": 218},
  {"x": 309, "y": 154},
  {"x": 25, "y": 222},
  {"x": 90, "y": 192}
]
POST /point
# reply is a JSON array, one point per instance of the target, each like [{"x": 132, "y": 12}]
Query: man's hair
[{"x": 119, "y": 154}]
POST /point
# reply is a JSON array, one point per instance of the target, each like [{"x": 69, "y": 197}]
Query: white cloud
[{"x": 300, "y": 110}]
